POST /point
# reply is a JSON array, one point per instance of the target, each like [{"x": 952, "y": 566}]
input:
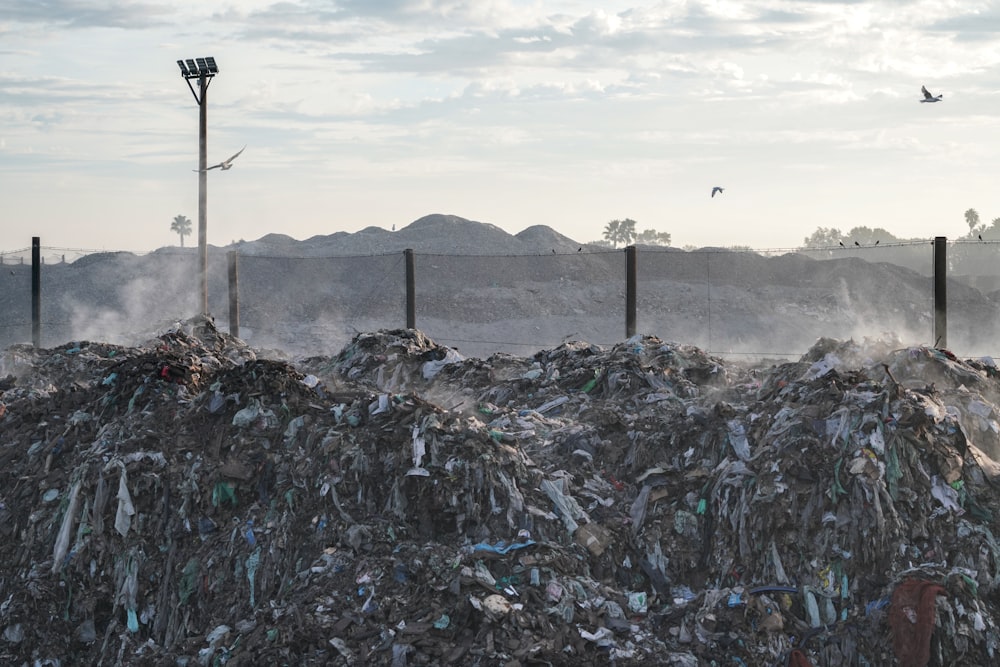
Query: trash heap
[{"x": 187, "y": 502}]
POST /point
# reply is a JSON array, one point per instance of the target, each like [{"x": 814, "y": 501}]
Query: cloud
[{"x": 77, "y": 14}]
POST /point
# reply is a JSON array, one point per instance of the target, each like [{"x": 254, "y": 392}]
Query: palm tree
[
  {"x": 181, "y": 226},
  {"x": 620, "y": 231},
  {"x": 971, "y": 219},
  {"x": 628, "y": 233},
  {"x": 612, "y": 232}
]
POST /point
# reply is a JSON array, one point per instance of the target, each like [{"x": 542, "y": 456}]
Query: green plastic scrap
[
  {"x": 837, "y": 490},
  {"x": 189, "y": 580},
  {"x": 702, "y": 506},
  {"x": 592, "y": 382},
  {"x": 222, "y": 492},
  {"x": 135, "y": 394},
  {"x": 971, "y": 583}
]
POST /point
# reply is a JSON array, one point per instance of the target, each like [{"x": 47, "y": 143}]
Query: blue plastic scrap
[{"x": 501, "y": 547}]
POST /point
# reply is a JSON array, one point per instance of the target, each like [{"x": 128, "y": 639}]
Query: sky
[{"x": 359, "y": 113}]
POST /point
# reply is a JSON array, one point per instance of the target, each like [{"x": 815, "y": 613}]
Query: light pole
[{"x": 202, "y": 69}]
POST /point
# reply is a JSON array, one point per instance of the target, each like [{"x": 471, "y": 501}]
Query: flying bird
[
  {"x": 928, "y": 97},
  {"x": 857, "y": 244},
  {"x": 841, "y": 244},
  {"x": 225, "y": 164},
  {"x": 716, "y": 189}
]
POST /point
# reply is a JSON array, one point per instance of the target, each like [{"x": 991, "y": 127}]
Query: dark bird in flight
[
  {"x": 553, "y": 251},
  {"x": 980, "y": 238},
  {"x": 928, "y": 97},
  {"x": 857, "y": 244},
  {"x": 225, "y": 164},
  {"x": 841, "y": 244},
  {"x": 717, "y": 189},
  {"x": 581, "y": 249},
  {"x": 876, "y": 242}
]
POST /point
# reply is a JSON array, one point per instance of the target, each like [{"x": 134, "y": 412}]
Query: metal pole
[
  {"x": 203, "y": 192},
  {"x": 411, "y": 291},
  {"x": 630, "y": 290},
  {"x": 940, "y": 292},
  {"x": 36, "y": 291},
  {"x": 234, "y": 293}
]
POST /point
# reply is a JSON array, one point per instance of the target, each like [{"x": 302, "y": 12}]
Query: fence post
[
  {"x": 234, "y": 293},
  {"x": 940, "y": 288},
  {"x": 630, "y": 289},
  {"x": 36, "y": 291},
  {"x": 411, "y": 291}
]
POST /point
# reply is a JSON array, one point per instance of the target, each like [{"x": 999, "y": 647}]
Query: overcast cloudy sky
[{"x": 513, "y": 112}]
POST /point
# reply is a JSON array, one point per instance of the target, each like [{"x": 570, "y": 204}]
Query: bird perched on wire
[
  {"x": 928, "y": 97},
  {"x": 225, "y": 164},
  {"x": 717, "y": 189}
]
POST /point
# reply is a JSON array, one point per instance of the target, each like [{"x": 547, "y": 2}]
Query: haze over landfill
[{"x": 566, "y": 114}]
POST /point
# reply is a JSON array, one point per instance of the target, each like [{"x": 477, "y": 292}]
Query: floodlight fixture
[{"x": 194, "y": 68}]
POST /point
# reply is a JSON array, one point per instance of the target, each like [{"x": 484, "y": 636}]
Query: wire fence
[{"x": 738, "y": 303}]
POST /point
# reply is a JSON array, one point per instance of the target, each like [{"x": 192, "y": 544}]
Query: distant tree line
[
  {"x": 830, "y": 236},
  {"x": 622, "y": 232}
]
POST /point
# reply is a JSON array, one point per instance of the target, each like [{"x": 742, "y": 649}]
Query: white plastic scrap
[
  {"x": 569, "y": 509},
  {"x": 738, "y": 439},
  {"x": 123, "y": 517},
  {"x": 380, "y": 405},
  {"x": 823, "y": 366},
  {"x": 433, "y": 367},
  {"x": 945, "y": 495},
  {"x": 342, "y": 648},
  {"x": 419, "y": 447},
  {"x": 62, "y": 541}
]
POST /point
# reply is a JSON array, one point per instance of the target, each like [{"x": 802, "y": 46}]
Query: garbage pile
[{"x": 188, "y": 502}]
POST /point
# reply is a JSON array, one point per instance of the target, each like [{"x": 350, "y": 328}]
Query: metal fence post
[
  {"x": 630, "y": 290},
  {"x": 411, "y": 291},
  {"x": 36, "y": 291},
  {"x": 234, "y": 293},
  {"x": 940, "y": 292}
]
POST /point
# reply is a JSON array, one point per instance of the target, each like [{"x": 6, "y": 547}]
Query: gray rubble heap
[{"x": 187, "y": 502}]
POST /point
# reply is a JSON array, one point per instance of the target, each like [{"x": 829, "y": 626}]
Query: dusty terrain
[{"x": 482, "y": 290}]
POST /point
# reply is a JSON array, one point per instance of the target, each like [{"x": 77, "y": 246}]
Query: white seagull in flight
[
  {"x": 928, "y": 97},
  {"x": 717, "y": 189},
  {"x": 225, "y": 164}
]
